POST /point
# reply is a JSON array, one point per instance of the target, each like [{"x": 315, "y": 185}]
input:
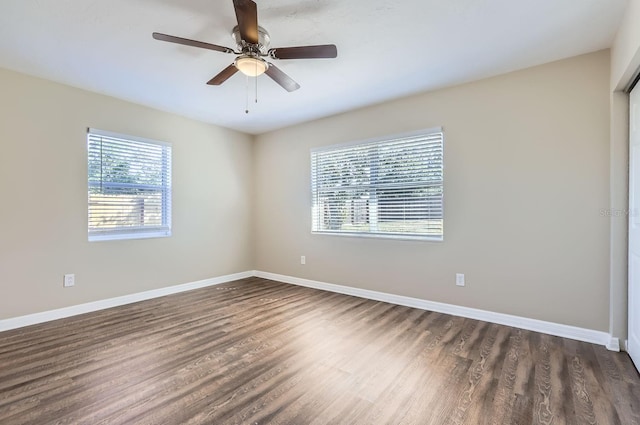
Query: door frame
[{"x": 632, "y": 344}]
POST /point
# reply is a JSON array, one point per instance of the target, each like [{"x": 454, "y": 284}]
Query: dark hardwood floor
[{"x": 262, "y": 352}]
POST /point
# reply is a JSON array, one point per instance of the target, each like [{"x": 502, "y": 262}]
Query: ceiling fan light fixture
[
  {"x": 251, "y": 66},
  {"x": 253, "y": 43}
]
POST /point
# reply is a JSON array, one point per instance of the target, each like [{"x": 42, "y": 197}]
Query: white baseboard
[
  {"x": 613, "y": 344},
  {"x": 550, "y": 328},
  {"x": 45, "y": 316},
  {"x": 566, "y": 331}
]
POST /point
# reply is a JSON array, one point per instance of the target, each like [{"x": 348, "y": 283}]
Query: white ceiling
[{"x": 386, "y": 49}]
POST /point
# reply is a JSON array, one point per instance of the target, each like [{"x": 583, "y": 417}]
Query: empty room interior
[{"x": 320, "y": 212}]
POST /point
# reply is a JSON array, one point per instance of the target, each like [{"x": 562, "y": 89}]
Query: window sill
[
  {"x": 383, "y": 236},
  {"x": 127, "y": 236}
]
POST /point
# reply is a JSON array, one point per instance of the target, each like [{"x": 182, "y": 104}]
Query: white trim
[
  {"x": 565, "y": 331},
  {"x": 557, "y": 329},
  {"x": 393, "y": 236},
  {"x": 636, "y": 362},
  {"x": 613, "y": 344},
  {"x": 626, "y": 345},
  {"x": 45, "y": 316},
  {"x": 115, "y": 236}
]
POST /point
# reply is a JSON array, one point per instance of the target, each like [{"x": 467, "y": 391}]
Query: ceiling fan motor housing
[{"x": 262, "y": 48}]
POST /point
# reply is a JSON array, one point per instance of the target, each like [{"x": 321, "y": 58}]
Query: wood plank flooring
[{"x": 261, "y": 352}]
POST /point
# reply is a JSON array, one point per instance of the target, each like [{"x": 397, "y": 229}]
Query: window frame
[
  {"x": 139, "y": 232},
  {"x": 376, "y": 141}
]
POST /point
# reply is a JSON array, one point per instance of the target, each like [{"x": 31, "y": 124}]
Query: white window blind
[
  {"x": 129, "y": 187},
  {"x": 391, "y": 188}
]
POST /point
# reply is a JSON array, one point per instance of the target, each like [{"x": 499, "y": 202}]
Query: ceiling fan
[{"x": 253, "y": 44}]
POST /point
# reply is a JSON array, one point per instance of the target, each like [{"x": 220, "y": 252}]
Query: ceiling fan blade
[
  {"x": 223, "y": 75},
  {"x": 281, "y": 78},
  {"x": 247, "y": 15},
  {"x": 193, "y": 43},
  {"x": 305, "y": 52}
]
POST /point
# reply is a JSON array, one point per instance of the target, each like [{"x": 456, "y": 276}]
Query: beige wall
[
  {"x": 43, "y": 172},
  {"x": 526, "y": 179},
  {"x": 527, "y": 176}
]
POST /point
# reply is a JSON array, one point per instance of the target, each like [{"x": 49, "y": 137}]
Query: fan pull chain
[
  {"x": 256, "y": 89},
  {"x": 246, "y": 111}
]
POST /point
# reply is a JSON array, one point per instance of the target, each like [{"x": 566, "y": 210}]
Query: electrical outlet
[
  {"x": 303, "y": 260},
  {"x": 69, "y": 280},
  {"x": 460, "y": 279}
]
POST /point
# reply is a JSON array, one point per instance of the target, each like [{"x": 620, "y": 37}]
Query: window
[
  {"x": 129, "y": 187},
  {"x": 386, "y": 188}
]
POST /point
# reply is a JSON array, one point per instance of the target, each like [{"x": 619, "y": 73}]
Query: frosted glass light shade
[{"x": 251, "y": 66}]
